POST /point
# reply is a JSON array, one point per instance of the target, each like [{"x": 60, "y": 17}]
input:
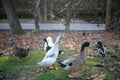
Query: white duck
[
  {"x": 51, "y": 55},
  {"x": 48, "y": 43},
  {"x": 74, "y": 62}
]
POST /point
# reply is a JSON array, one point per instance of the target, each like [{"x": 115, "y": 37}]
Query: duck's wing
[
  {"x": 102, "y": 51},
  {"x": 69, "y": 60},
  {"x": 53, "y": 51},
  {"x": 47, "y": 60},
  {"x": 50, "y": 55}
]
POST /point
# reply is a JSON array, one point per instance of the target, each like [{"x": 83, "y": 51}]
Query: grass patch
[{"x": 11, "y": 65}]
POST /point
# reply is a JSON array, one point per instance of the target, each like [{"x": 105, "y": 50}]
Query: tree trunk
[
  {"x": 39, "y": 15},
  {"x": 68, "y": 16},
  {"x": 51, "y": 11},
  {"x": 36, "y": 20},
  {"x": 14, "y": 23},
  {"x": 108, "y": 14},
  {"x": 37, "y": 8},
  {"x": 45, "y": 10},
  {"x": 36, "y": 16},
  {"x": 67, "y": 20}
]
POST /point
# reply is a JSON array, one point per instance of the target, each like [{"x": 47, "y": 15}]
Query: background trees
[{"x": 92, "y": 11}]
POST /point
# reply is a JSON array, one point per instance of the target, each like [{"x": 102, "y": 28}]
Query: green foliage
[{"x": 10, "y": 64}]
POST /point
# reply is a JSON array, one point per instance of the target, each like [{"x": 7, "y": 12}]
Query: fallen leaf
[{"x": 74, "y": 75}]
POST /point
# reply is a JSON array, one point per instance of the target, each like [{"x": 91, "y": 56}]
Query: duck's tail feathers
[
  {"x": 61, "y": 64},
  {"x": 66, "y": 67},
  {"x": 26, "y": 51}
]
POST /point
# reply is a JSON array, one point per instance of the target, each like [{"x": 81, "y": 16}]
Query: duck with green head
[
  {"x": 74, "y": 62},
  {"x": 101, "y": 50}
]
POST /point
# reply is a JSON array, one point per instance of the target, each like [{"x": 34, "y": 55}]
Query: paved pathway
[{"x": 56, "y": 26}]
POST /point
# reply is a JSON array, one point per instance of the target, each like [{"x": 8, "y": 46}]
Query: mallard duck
[
  {"x": 51, "y": 55},
  {"x": 101, "y": 50},
  {"x": 20, "y": 52},
  {"x": 49, "y": 44},
  {"x": 74, "y": 62}
]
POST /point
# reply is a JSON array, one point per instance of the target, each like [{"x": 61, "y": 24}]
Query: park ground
[{"x": 13, "y": 69}]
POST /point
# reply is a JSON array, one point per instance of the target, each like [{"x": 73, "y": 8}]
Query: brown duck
[
  {"x": 74, "y": 62},
  {"x": 20, "y": 52}
]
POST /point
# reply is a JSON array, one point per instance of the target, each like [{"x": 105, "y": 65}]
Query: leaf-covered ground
[
  {"x": 95, "y": 68},
  {"x": 72, "y": 40}
]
